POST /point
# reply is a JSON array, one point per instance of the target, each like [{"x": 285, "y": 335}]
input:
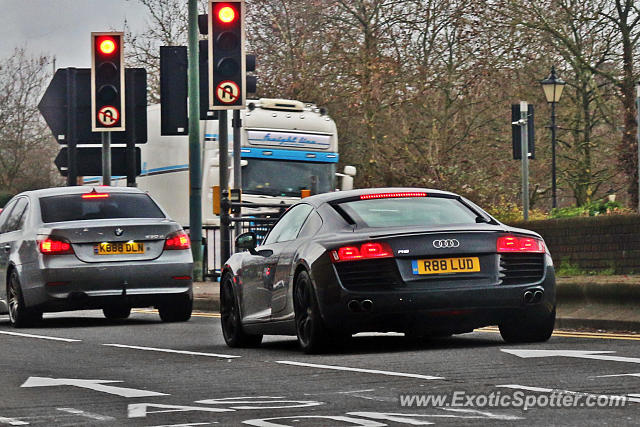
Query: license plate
[
  {"x": 118, "y": 248},
  {"x": 446, "y": 265}
]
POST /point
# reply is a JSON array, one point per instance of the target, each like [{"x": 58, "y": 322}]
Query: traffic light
[
  {"x": 107, "y": 82},
  {"x": 227, "y": 61}
]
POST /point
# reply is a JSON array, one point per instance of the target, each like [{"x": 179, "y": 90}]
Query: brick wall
[{"x": 592, "y": 243}]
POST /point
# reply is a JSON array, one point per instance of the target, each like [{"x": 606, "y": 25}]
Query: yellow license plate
[
  {"x": 119, "y": 248},
  {"x": 446, "y": 265}
]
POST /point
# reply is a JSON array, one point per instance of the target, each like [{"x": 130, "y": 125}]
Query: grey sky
[{"x": 63, "y": 27}]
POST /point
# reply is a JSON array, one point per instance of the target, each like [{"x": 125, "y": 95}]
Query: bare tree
[{"x": 27, "y": 147}]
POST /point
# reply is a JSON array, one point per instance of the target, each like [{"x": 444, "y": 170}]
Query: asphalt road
[{"x": 80, "y": 369}]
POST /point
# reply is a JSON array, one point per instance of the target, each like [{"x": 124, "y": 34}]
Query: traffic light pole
[
  {"x": 237, "y": 167},
  {"x": 524, "y": 146},
  {"x": 72, "y": 156},
  {"x": 195, "y": 167},
  {"x": 106, "y": 158},
  {"x": 223, "y": 150}
]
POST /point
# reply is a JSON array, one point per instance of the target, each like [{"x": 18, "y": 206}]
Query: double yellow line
[
  {"x": 194, "y": 314},
  {"x": 577, "y": 334}
]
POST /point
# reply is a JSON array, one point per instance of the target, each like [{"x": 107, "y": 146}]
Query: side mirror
[{"x": 247, "y": 241}]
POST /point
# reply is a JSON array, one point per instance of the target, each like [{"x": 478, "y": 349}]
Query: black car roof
[{"x": 319, "y": 199}]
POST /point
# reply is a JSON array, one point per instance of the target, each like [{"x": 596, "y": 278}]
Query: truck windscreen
[{"x": 286, "y": 178}]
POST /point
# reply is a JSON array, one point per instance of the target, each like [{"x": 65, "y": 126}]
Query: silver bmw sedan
[{"x": 73, "y": 248}]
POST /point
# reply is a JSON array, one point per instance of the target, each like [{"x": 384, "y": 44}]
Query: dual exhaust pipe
[
  {"x": 533, "y": 296},
  {"x": 356, "y": 306}
]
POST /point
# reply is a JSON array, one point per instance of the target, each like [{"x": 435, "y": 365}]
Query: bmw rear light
[
  {"x": 368, "y": 250},
  {"x": 94, "y": 195},
  {"x": 177, "y": 240},
  {"x": 392, "y": 195},
  {"x": 520, "y": 244},
  {"x": 55, "y": 246}
]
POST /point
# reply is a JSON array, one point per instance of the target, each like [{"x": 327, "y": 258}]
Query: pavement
[{"x": 608, "y": 303}]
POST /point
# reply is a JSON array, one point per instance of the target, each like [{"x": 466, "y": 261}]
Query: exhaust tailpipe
[
  {"x": 528, "y": 297},
  {"x": 354, "y": 306},
  {"x": 537, "y": 297},
  {"x": 367, "y": 305}
]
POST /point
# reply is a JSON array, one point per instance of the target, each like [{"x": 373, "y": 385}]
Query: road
[{"x": 80, "y": 369}]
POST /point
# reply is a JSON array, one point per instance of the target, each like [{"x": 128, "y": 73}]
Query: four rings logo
[{"x": 446, "y": 243}]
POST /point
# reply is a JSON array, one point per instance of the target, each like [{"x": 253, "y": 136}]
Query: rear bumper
[
  {"x": 452, "y": 310},
  {"x": 66, "y": 284}
]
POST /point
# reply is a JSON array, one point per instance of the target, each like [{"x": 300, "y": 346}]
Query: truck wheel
[
  {"x": 19, "y": 315},
  {"x": 530, "y": 326},
  {"x": 178, "y": 310},
  {"x": 232, "y": 331}
]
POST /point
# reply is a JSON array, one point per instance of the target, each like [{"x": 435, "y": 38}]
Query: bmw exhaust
[{"x": 367, "y": 305}]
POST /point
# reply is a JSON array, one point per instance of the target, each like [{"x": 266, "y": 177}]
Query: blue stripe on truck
[{"x": 305, "y": 156}]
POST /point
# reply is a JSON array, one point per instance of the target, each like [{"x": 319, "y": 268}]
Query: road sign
[
  {"x": 66, "y": 107},
  {"x": 90, "y": 161},
  {"x": 227, "y": 92},
  {"x": 108, "y": 115}
]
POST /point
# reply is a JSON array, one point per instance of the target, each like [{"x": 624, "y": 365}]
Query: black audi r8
[{"x": 419, "y": 261}]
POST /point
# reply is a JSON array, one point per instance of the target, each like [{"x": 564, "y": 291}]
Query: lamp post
[{"x": 552, "y": 87}]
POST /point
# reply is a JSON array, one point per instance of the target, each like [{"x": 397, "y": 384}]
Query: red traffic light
[
  {"x": 226, "y": 14},
  {"x": 107, "y": 45}
]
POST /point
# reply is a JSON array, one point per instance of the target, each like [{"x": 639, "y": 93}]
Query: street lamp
[{"x": 552, "y": 87}]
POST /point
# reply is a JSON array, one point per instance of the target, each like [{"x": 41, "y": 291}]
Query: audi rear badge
[{"x": 446, "y": 243}]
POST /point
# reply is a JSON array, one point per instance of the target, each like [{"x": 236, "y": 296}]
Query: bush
[
  {"x": 509, "y": 212},
  {"x": 592, "y": 209}
]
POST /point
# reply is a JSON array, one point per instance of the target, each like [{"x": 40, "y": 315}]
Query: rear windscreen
[
  {"x": 409, "y": 211},
  {"x": 72, "y": 207}
]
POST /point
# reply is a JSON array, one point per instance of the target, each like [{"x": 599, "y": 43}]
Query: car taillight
[
  {"x": 95, "y": 195},
  {"x": 53, "y": 246},
  {"x": 520, "y": 244},
  {"x": 177, "y": 240},
  {"x": 392, "y": 195},
  {"x": 364, "y": 251}
]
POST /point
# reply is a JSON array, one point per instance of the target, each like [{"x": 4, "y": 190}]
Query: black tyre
[
  {"x": 178, "y": 310},
  {"x": 531, "y": 326},
  {"x": 19, "y": 315},
  {"x": 234, "y": 334},
  {"x": 312, "y": 334},
  {"x": 116, "y": 312}
]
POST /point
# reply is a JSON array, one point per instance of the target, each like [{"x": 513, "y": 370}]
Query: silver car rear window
[
  {"x": 408, "y": 211},
  {"x": 73, "y": 207}
]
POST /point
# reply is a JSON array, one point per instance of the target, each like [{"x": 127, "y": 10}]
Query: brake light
[
  {"x": 392, "y": 195},
  {"x": 95, "y": 196},
  {"x": 53, "y": 246},
  {"x": 365, "y": 251},
  {"x": 177, "y": 240},
  {"x": 520, "y": 244}
]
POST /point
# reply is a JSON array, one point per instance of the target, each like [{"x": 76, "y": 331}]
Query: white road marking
[
  {"x": 13, "y": 422},
  {"x": 41, "y": 337},
  {"x": 365, "y": 371},
  {"x": 141, "y": 410},
  {"x": 260, "y": 402},
  {"x": 581, "y": 354},
  {"x": 357, "y": 422},
  {"x": 187, "y": 425},
  {"x": 168, "y": 350},
  {"x": 90, "y": 415},
  {"x": 618, "y": 375},
  {"x": 96, "y": 385},
  {"x": 611, "y": 397}
]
